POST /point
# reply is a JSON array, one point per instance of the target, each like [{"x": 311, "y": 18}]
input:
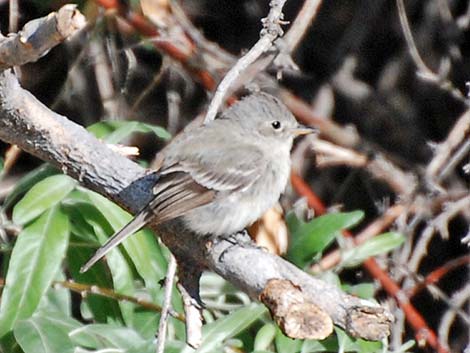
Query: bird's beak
[{"x": 303, "y": 130}]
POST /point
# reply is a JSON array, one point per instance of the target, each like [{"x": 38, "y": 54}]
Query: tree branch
[
  {"x": 39, "y": 36},
  {"x": 271, "y": 30},
  {"x": 53, "y": 138}
]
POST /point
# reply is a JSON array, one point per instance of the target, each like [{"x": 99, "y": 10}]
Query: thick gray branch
[
  {"x": 26, "y": 122},
  {"x": 39, "y": 36}
]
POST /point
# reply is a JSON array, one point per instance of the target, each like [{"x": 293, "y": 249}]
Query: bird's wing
[
  {"x": 177, "y": 194},
  {"x": 187, "y": 184},
  {"x": 234, "y": 169}
]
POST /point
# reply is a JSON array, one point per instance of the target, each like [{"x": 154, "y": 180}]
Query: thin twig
[
  {"x": 148, "y": 89},
  {"x": 423, "y": 70},
  {"x": 440, "y": 223},
  {"x": 104, "y": 80},
  {"x": 410, "y": 41},
  {"x": 461, "y": 153},
  {"x": 379, "y": 166},
  {"x": 84, "y": 289},
  {"x": 11, "y": 157},
  {"x": 443, "y": 160},
  {"x": 446, "y": 322},
  {"x": 301, "y": 23},
  {"x": 438, "y": 273},
  {"x": 271, "y": 30},
  {"x": 13, "y": 16},
  {"x": 166, "y": 309},
  {"x": 294, "y": 36},
  {"x": 193, "y": 312}
]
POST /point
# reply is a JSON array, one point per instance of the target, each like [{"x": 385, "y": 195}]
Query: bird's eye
[{"x": 276, "y": 125}]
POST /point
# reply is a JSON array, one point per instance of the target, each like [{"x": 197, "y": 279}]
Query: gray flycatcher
[{"x": 218, "y": 178}]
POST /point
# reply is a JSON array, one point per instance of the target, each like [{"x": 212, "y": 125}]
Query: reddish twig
[
  {"x": 438, "y": 273},
  {"x": 302, "y": 188},
  {"x": 146, "y": 28}
]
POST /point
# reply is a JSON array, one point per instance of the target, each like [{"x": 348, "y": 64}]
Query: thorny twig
[
  {"x": 379, "y": 166},
  {"x": 271, "y": 30},
  {"x": 457, "y": 301},
  {"x": 423, "y": 70},
  {"x": 440, "y": 223},
  {"x": 437, "y": 274},
  {"x": 445, "y": 156}
]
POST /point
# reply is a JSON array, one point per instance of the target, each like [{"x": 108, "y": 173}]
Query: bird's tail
[{"x": 138, "y": 222}]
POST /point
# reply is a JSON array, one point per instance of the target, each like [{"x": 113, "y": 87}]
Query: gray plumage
[{"x": 219, "y": 178}]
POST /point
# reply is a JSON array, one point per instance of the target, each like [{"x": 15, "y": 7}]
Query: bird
[{"x": 218, "y": 178}]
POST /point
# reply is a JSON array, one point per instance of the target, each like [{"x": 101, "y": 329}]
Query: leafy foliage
[{"x": 313, "y": 237}]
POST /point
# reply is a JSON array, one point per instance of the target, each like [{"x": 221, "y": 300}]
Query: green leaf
[
  {"x": 34, "y": 263},
  {"x": 361, "y": 290},
  {"x": 28, "y": 181},
  {"x": 265, "y": 337},
  {"x": 146, "y": 323},
  {"x": 41, "y": 197},
  {"x": 116, "y": 131},
  {"x": 78, "y": 224},
  {"x": 149, "y": 347},
  {"x": 349, "y": 344},
  {"x": 370, "y": 346},
  {"x": 123, "y": 279},
  {"x": 57, "y": 298},
  {"x": 218, "y": 331},
  {"x": 8, "y": 344},
  {"x": 307, "y": 239},
  {"x": 345, "y": 343},
  {"x": 142, "y": 247},
  {"x": 380, "y": 244},
  {"x": 102, "y": 336},
  {"x": 103, "y": 309},
  {"x": 330, "y": 344},
  {"x": 46, "y": 332},
  {"x": 285, "y": 344}
]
